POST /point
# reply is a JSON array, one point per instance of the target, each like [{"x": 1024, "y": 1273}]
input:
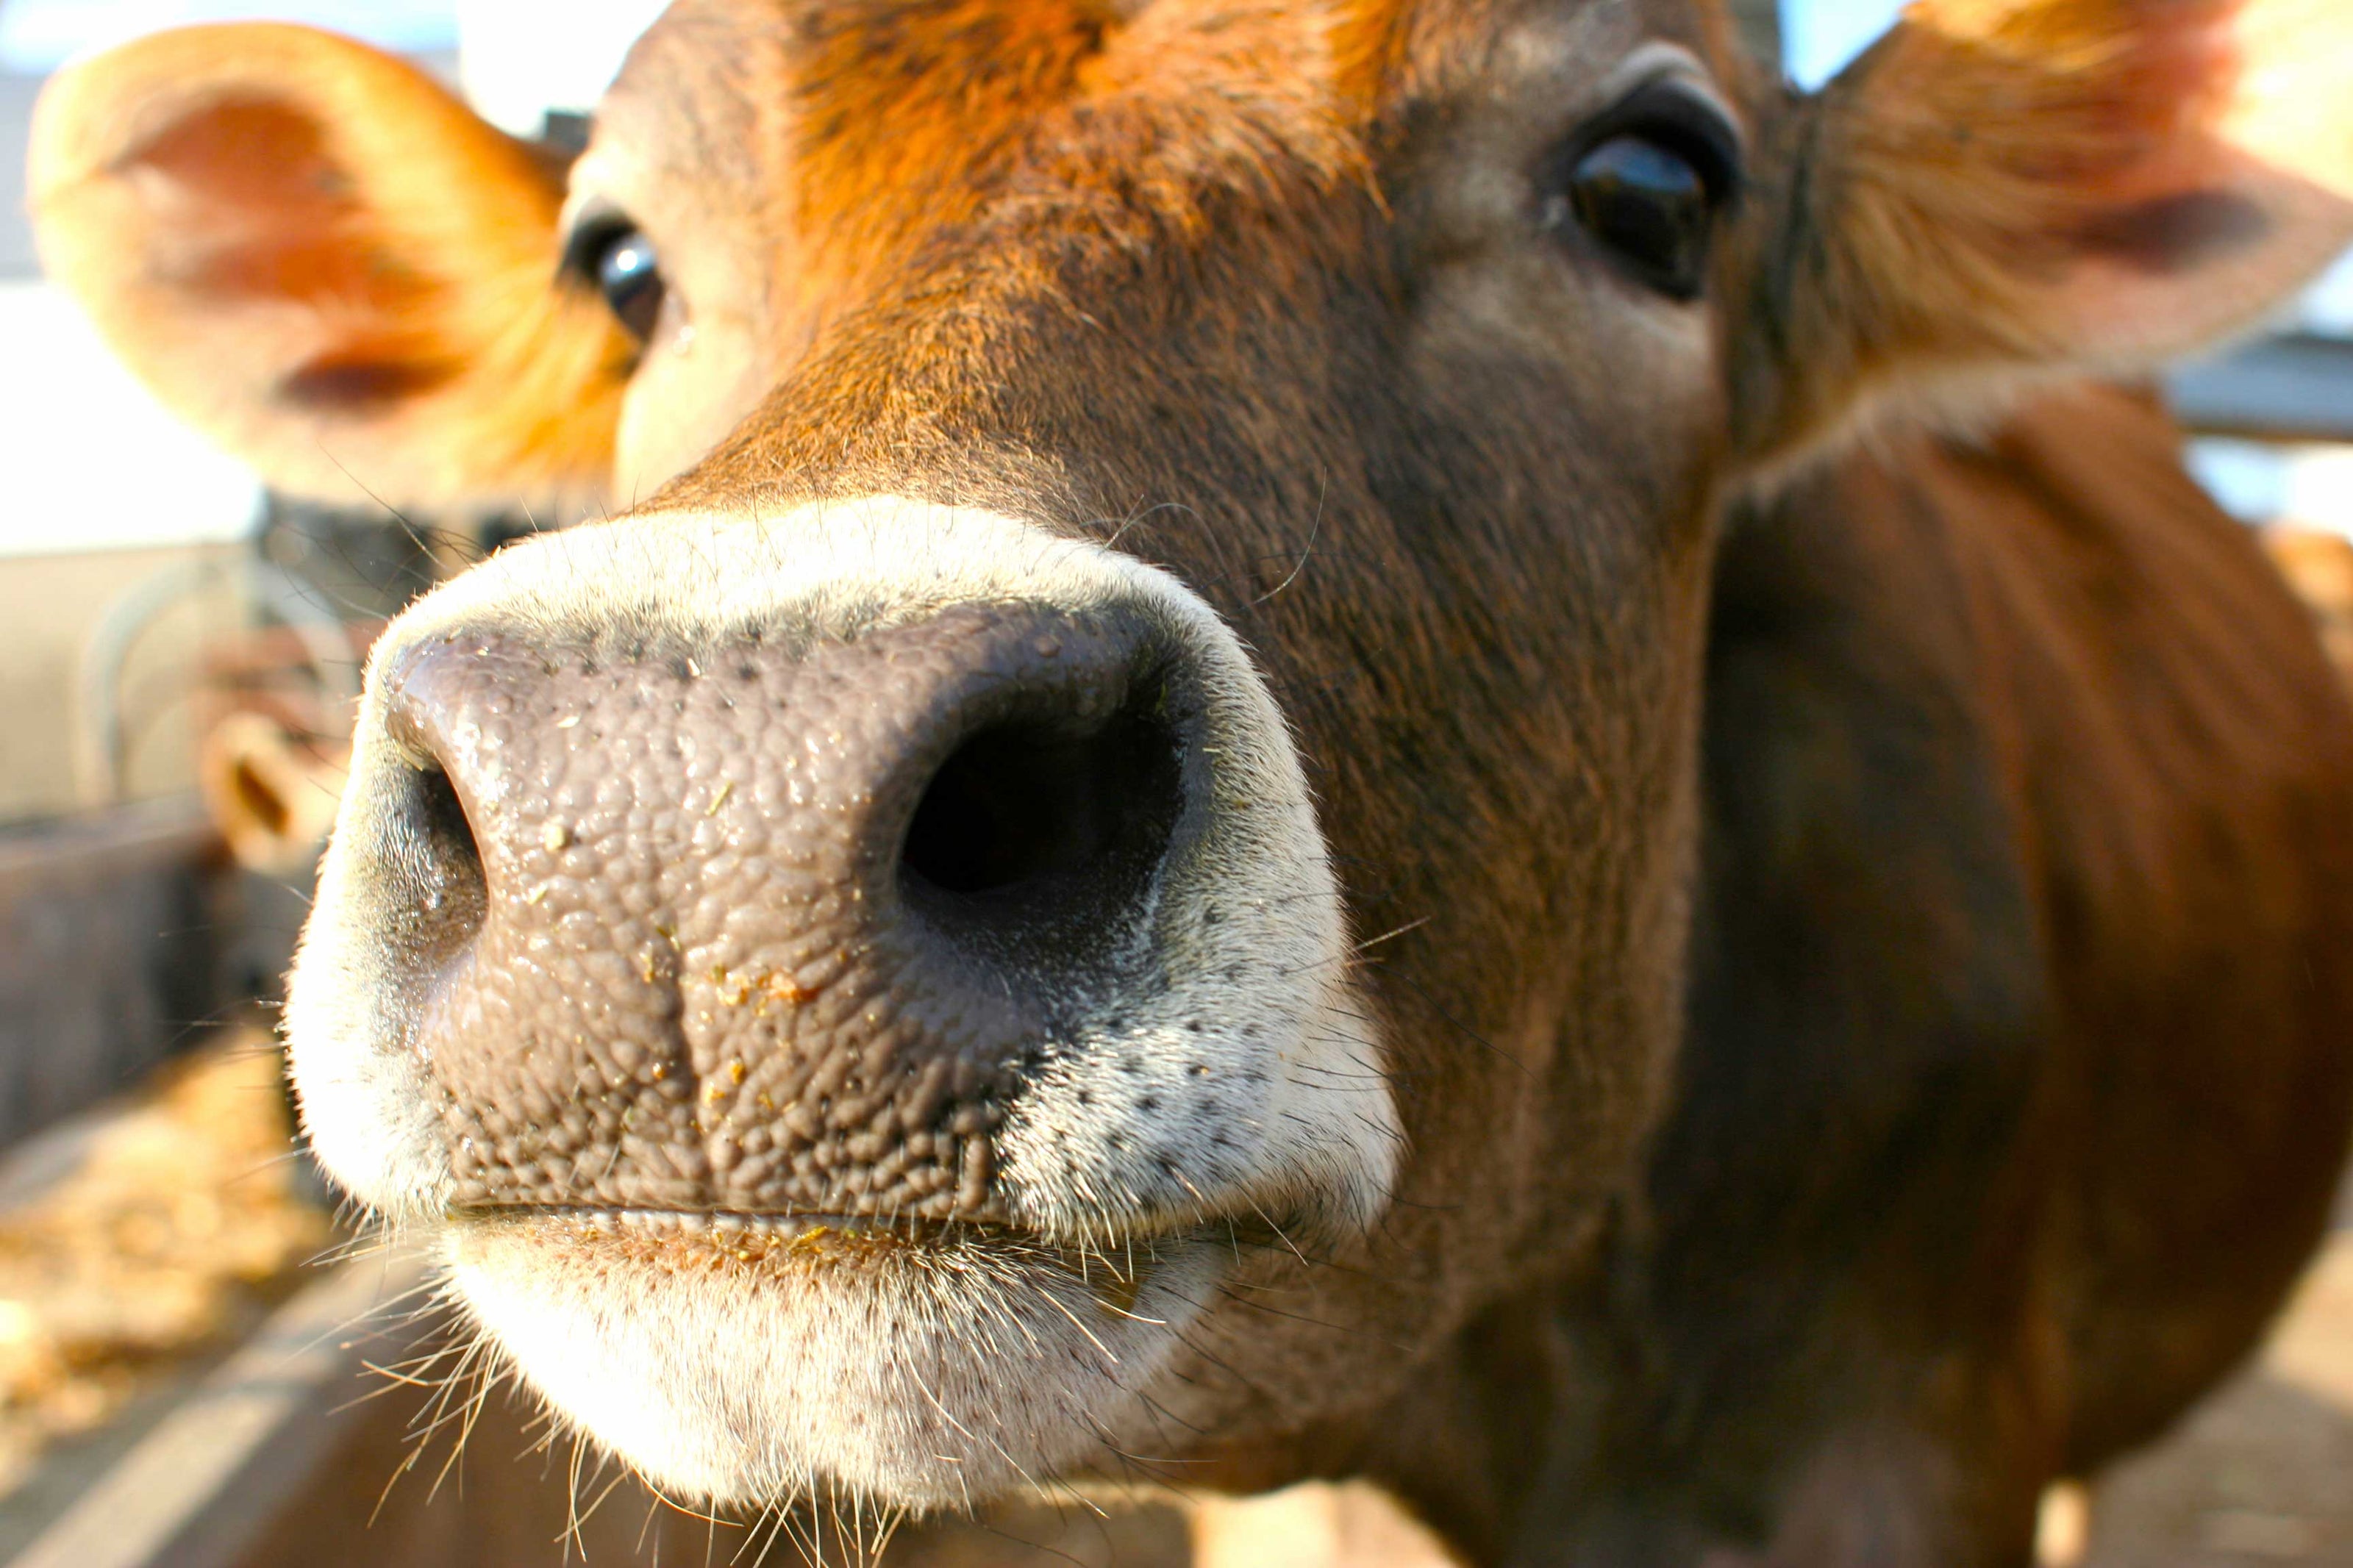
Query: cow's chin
[{"x": 759, "y": 1367}]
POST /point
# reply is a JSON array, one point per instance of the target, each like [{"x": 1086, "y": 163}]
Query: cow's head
[{"x": 1098, "y": 860}]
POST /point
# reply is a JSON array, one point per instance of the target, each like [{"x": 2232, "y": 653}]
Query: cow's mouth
[
  {"x": 804, "y": 1237},
  {"x": 753, "y": 1359},
  {"x": 1114, "y": 1271},
  {"x": 790, "y": 1228}
]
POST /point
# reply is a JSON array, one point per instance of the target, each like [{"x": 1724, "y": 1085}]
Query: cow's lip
[
  {"x": 770, "y": 1225},
  {"x": 1114, "y": 1272},
  {"x": 791, "y": 1225},
  {"x": 769, "y": 1233}
]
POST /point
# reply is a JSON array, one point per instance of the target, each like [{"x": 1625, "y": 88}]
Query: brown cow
[{"x": 1264, "y": 790}]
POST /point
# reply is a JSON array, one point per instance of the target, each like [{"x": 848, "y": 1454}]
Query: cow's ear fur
[
  {"x": 2003, "y": 187},
  {"x": 331, "y": 266}
]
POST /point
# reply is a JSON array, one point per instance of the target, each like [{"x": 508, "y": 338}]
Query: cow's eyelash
[{"x": 1678, "y": 116}]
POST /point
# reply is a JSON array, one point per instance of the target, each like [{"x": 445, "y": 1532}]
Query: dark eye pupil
[
  {"x": 630, "y": 276},
  {"x": 1650, "y": 207}
]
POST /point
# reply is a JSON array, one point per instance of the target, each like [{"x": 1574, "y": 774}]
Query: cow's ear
[
  {"x": 324, "y": 261},
  {"x": 2007, "y": 186}
]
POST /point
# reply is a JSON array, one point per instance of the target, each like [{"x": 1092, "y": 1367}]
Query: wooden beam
[
  {"x": 112, "y": 931},
  {"x": 2286, "y": 389}
]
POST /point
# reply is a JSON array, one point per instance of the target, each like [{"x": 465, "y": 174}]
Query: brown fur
[{"x": 1865, "y": 979}]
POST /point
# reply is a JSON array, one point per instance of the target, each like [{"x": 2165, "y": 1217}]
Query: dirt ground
[
  {"x": 169, "y": 1229},
  {"x": 2262, "y": 1472}
]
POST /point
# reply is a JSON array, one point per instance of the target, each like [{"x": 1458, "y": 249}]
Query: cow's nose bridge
[{"x": 764, "y": 921}]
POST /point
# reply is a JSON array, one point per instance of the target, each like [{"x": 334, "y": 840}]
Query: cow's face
[{"x": 1098, "y": 861}]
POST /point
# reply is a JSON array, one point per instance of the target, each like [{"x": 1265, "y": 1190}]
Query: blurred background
[{"x": 178, "y": 650}]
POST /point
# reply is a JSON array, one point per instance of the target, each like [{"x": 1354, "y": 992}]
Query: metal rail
[
  {"x": 101, "y": 740},
  {"x": 2291, "y": 389}
]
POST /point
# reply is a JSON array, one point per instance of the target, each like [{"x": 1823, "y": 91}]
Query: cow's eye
[
  {"x": 616, "y": 258},
  {"x": 1647, "y": 184}
]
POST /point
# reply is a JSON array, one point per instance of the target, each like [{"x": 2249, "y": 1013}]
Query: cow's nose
[{"x": 768, "y": 922}]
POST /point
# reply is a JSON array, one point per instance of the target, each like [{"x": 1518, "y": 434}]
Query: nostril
[
  {"x": 1036, "y": 812},
  {"x": 453, "y": 887}
]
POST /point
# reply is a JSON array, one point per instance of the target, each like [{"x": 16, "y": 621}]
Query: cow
[{"x": 1423, "y": 739}]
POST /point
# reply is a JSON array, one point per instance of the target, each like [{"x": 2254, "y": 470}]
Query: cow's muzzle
[{"x": 883, "y": 872}]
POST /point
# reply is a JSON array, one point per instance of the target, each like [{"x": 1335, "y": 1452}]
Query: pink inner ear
[
  {"x": 252, "y": 206},
  {"x": 249, "y": 206},
  {"x": 356, "y": 380},
  {"x": 2174, "y": 233}
]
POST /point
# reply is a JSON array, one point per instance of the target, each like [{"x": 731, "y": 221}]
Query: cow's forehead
[
  {"x": 708, "y": 75},
  {"x": 803, "y": 165},
  {"x": 692, "y": 84}
]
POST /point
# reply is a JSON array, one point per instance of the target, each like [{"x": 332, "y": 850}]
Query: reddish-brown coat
[{"x": 1975, "y": 816}]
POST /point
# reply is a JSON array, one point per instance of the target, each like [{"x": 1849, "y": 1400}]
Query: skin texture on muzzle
[{"x": 707, "y": 976}]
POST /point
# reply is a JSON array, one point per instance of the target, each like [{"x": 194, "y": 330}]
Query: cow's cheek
[{"x": 698, "y": 379}]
